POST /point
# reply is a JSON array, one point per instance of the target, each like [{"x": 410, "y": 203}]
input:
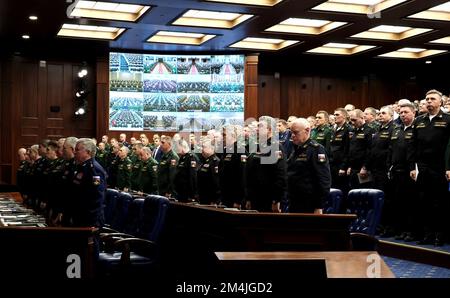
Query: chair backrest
[
  {"x": 367, "y": 205},
  {"x": 120, "y": 211},
  {"x": 110, "y": 204},
  {"x": 332, "y": 203},
  {"x": 133, "y": 220},
  {"x": 154, "y": 217}
]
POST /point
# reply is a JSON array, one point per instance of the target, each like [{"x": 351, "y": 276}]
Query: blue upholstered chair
[
  {"x": 367, "y": 204},
  {"x": 332, "y": 203},
  {"x": 137, "y": 252}
]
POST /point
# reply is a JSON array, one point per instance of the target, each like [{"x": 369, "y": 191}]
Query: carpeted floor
[
  {"x": 445, "y": 247},
  {"x": 408, "y": 269}
]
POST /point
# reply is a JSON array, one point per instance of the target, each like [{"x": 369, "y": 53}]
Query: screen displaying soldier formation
[{"x": 175, "y": 93}]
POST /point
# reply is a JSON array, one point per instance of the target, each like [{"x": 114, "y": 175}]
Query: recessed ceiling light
[
  {"x": 95, "y": 32},
  {"x": 257, "y": 43},
  {"x": 388, "y": 32},
  {"x": 340, "y": 49},
  {"x": 305, "y": 26},
  {"x": 250, "y": 2},
  {"x": 108, "y": 10},
  {"x": 33, "y": 18},
  {"x": 438, "y": 13},
  {"x": 412, "y": 53},
  {"x": 26, "y": 36},
  {"x": 444, "y": 40},
  {"x": 428, "y": 62},
  {"x": 180, "y": 37},
  {"x": 215, "y": 19},
  {"x": 357, "y": 6}
]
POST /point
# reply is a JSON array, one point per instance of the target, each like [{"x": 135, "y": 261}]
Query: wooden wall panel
[{"x": 269, "y": 102}]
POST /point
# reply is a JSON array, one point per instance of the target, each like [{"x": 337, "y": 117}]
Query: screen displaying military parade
[{"x": 167, "y": 93}]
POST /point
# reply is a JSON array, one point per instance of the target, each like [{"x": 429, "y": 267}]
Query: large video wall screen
[{"x": 175, "y": 93}]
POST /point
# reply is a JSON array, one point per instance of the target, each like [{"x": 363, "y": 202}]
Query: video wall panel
[{"x": 172, "y": 93}]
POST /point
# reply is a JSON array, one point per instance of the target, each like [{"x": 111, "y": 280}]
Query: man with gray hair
[
  {"x": 308, "y": 171},
  {"x": 88, "y": 187}
]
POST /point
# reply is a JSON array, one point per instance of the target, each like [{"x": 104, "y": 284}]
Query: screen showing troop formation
[{"x": 167, "y": 93}]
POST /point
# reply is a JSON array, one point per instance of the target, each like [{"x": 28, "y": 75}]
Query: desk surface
[{"x": 346, "y": 264}]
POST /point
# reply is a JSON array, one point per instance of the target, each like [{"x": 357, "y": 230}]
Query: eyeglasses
[{"x": 353, "y": 120}]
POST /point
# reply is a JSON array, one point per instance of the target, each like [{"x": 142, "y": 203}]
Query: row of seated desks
[
  {"x": 45, "y": 252},
  {"x": 203, "y": 241}
]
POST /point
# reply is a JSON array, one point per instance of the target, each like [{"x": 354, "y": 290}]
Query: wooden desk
[
  {"x": 223, "y": 230},
  {"x": 351, "y": 264}
]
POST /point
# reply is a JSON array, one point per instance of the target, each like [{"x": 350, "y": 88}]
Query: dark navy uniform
[
  {"x": 208, "y": 180},
  {"x": 266, "y": 181},
  {"x": 358, "y": 153},
  {"x": 429, "y": 143},
  {"x": 339, "y": 146},
  {"x": 404, "y": 193},
  {"x": 166, "y": 173},
  {"x": 379, "y": 151},
  {"x": 186, "y": 177},
  {"x": 309, "y": 178},
  {"x": 232, "y": 175},
  {"x": 21, "y": 176},
  {"x": 88, "y": 193}
]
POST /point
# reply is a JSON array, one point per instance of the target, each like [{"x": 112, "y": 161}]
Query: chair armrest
[
  {"x": 146, "y": 247},
  {"x": 363, "y": 242},
  {"x": 107, "y": 230}
]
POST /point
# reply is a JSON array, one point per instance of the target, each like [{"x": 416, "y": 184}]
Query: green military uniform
[
  {"x": 147, "y": 177},
  {"x": 374, "y": 125},
  {"x": 166, "y": 173},
  {"x": 124, "y": 168},
  {"x": 102, "y": 158},
  {"x": 323, "y": 135}
]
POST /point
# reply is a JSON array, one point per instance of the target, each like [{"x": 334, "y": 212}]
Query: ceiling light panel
[
  {"x": 436, "y": 13},
  {"x": 109, "y": 11},
  {"x": 269, "y": 44},
  {"x": 180, "y": 37},
  {"x": 357, "y": 6},
  {"x": 305, "y": 26},
  {"x": 95, "y": 32},
  {"x": 387, "y": 32},
  {"x": 412, "y": 53},
  {"x": 249, "y": 2},
  {"x": 213, "y": 19},
  {"x": 444, "y": 40},
  {"x": 340, "y": 49}
]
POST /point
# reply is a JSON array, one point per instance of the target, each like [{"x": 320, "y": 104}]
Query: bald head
[{"x": 301, "y": 131}]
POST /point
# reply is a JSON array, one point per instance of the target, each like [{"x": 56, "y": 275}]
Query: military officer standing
[
  {"x": 124, "y": 168},
  {"x": 208, "y": 174},
  {"x": 308, "y": 171},
  {"x": 147, "y": 179},
  {"x": 186, "y": 173},
  {"x": 167, "y": 168}
]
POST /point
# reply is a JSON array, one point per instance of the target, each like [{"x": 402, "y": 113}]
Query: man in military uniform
[
  {"x": 430, "y": 168},
  {"x": 308, "y": 171},
  {"x": 24, "y": 163},
  {"x": 403, "y": 188},
  {"x": 136, "y": 164},
  {"x": 340, "y": 142},
  {"x": 102, "y": 155},
  {"x": 147, "y": 178},
  {"x": 284, "y": 136},
  {"x": 359, "y": 149},
  {"x": 208, "y": 174},
  {"x": 266, "y": 171},
  {"x": 185, "y": 180},
  {"x": 232, "y": 170},
  {"x": 322, "y": 133},
  {"x": 370, "y": 117},
  {"x": 88, "y": 187},
  {"x": 167, "y": 168},
  {"x": 124, "y": 168}
]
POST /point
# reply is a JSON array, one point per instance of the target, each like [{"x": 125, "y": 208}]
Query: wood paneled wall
[
  {"x": 305, "y": 95},
  {"x": 29, "y": 90}
]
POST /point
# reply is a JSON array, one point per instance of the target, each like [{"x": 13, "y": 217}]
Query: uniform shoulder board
[
  {"x": 314, "y": 143},
  {"x": 193, "y": 164}
]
